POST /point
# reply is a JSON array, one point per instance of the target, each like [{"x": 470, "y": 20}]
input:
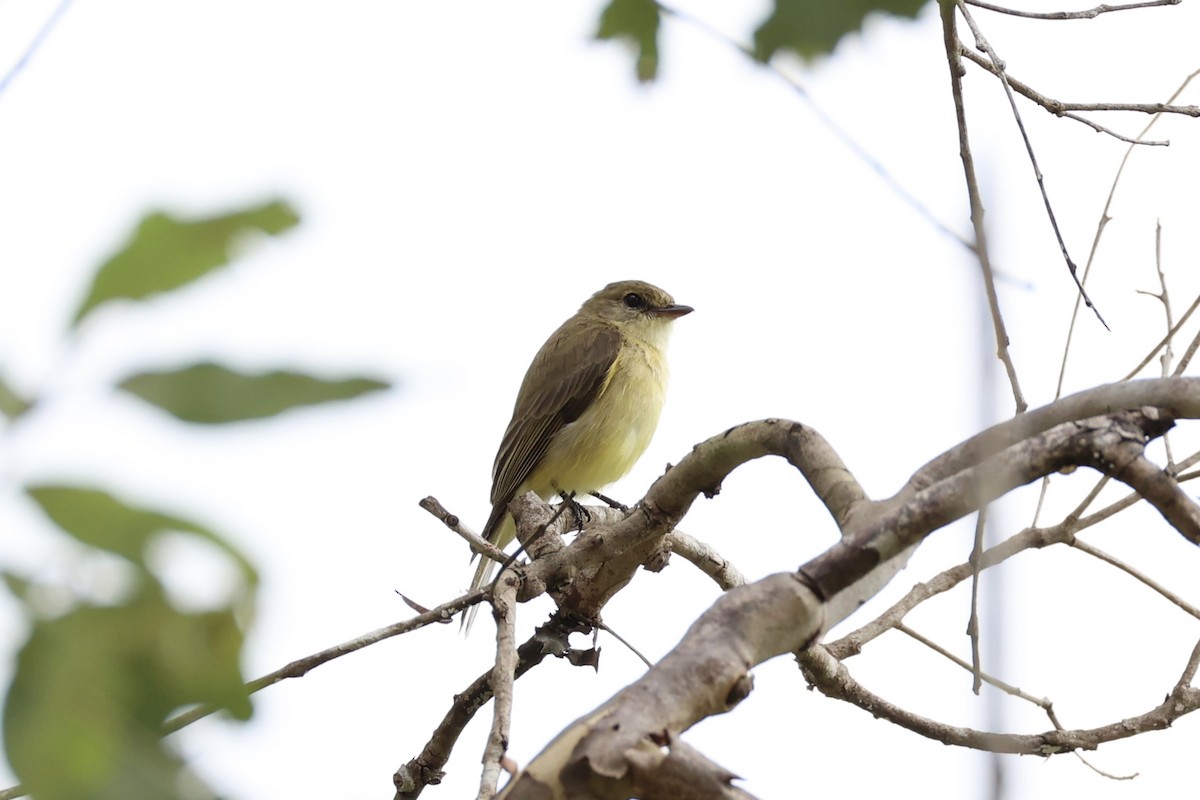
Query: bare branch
[
  {"x": 973, "y": 619},
  {"x": 982, "y": 43},
  {"x": 1090, "y": 13},
  {"x": 1062, "y": 109},
  {"x": 1190, "y": 352},
  {"x": 504, "y": 600},
  {"x": 426, "y": 768},
  {"x": 953, "y": 50},
  {"x": 1112, "y": 560},
  {"x": 303, "y": 666},
  {"x": 706, "y": 559},
  {"x": 451, "y": 521},
  {"x": 707, "y": 672},
  {"x": 834, "y": 680},
  {"x": 1179, "y": 396},
  {"x": 582, "y": 584},
  {"x": 1189, "y": 671},
  {"x": 1162, "y": 491},
  {"x": 602, "y": 626},
  {"x": 973, "y": 668},
  {"x": 1100, "y": 225},
  {"x": 782, "y": 613},
  {"x": 1164, "y": 341}
]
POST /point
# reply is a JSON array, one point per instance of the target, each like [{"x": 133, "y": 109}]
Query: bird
[{"x": 587, "y": 407}]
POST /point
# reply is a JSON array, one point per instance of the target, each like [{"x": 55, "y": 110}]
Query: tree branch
[
  {"x": 953, "y": 56},
  {"x": 707, "y": 672},
  {"x": 1090, "y": 13}
]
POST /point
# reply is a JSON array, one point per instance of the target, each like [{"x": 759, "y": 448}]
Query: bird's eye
[{"x": 635, "y": 300}]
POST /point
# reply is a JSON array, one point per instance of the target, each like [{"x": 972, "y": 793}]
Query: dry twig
[{"x": 953, "y": 51}]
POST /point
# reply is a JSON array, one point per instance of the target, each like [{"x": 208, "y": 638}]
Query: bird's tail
[
  {"x": 483, "y": 576},
  {"x": 499, "y": 530}
]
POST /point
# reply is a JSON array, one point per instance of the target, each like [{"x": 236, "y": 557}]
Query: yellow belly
[{"x": 611, "y": 435}]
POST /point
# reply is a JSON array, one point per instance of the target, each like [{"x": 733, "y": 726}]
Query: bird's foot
[{"x": 582, "y": 517}]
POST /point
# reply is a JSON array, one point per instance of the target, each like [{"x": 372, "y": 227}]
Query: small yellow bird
[{"x": 588, "y": 406}]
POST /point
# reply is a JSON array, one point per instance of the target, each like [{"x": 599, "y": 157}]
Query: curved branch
[
  {"x": 584, "y": 575},
  {"x": 1178, "y": 396},
  {"x": 706, "y": 559},
  {"x": 834, "y": 680},
  {"x": 708, "y": 671}
]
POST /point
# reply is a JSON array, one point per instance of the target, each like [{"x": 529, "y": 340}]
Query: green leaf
[
  {"x": 167, "y": 252},
  {"x": 210, "y": 393},
  {"x": 809, "y": 28},
  {"x": 92, "y": 688},
  {"x": 12, "y": 405},
  {"x": 98, "y": 519},
  {"x": 637, "y": 22}
]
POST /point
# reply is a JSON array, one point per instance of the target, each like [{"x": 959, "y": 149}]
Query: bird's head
[{"x": 640, "y": 309}]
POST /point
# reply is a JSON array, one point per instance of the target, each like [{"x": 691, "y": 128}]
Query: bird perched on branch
[{"x": 588, "y": 406}]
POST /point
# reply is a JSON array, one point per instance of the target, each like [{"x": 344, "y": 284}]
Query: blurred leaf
[
  {"x": 98, "y": 519},
  {"x": 85, "y": 708},
  {"x": 12, "y": 405},
  {"x": 166, "y": 252},
  {"x": 210, "y": 393},
  {"x": 637, "y": 22},
  {"x": 18, "y": 585},
  {"x": 810, "y": 28}
]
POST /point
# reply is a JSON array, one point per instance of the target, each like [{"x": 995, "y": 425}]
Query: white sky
[{"x": 468, "y": 173}]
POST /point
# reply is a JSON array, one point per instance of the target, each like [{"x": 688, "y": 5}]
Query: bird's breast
[{"x": 612, "y": 433}]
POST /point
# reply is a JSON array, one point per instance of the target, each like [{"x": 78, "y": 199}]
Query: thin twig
[
  {"x": 973, "y": 621},
  {"x": 1165, "y": 298},
  {"x": 1189, "y": 671},
  {"x": 1104, "y": 218},
  {"x": 1163, "y": 341},
  {"x": 451, "y": 521},
  {"x": 1189, "y": 353},
  {"x": 982, "y": 43},
  {"x": 1101, "y": 772},
  {"x": 622, "y": 640},
  {"x": 831, "y": 677},
  {"x": 1090, "y": 13},
  {"x": 953, "y": 51},
  {"x": 302, "y": 666},
  {"x": 1007, "y": 688},
  {"x": 1060, "y": 108},
  {"x": 1041, "y": 702},
  {"x": 1112, "y": 560}
]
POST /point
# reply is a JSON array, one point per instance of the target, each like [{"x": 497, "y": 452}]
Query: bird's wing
[{"x": 570, "y": 376}]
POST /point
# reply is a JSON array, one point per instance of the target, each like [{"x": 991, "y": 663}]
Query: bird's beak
[{"x": 671, "y": 311}]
